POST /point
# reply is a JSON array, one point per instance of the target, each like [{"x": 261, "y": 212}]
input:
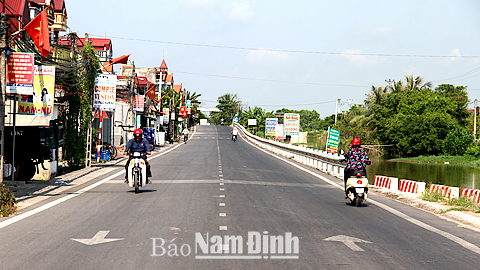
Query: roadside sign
[
  {"x": 235, "y": 120},
  {"x": 270, "y": 124},
  {"x": 291, "y": 124},
  {"x": 20, "y": 73},
  {"x": 332, "y": 140},
  {"x": 252, "y": 122},
  {"x": 279, "y": 132}
]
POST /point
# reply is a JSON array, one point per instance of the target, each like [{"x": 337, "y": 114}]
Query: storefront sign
[
  {"x": 291, "y": 122},
  {"x": 105, "y": 93},
  {"x": 20, "y": 73},
  {"x": 139, "y": 103},
  {"x": 41, "y": 102}
]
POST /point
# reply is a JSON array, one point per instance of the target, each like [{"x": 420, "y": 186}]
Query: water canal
[{"x": 432, "y": 173}]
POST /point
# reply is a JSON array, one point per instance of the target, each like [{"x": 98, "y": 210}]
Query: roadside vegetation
[
  {"x": 8, "y": 203},
  {"x": 460, "y": 204}
]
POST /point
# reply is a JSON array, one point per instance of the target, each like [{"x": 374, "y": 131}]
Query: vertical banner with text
[
  {"x": 166, "y": 115},
  {"x": 332, "y": 140},
  {"x": 291, "y": 124},
  {"x": 105, "y": 93},
  {"x": 20, "y": 73}
]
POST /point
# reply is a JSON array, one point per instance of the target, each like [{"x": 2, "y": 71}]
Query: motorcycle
[
  {"x": 137, "y": 171},
  {"x": 357, "y": 187},
  {"x": 234, "y": 138}
]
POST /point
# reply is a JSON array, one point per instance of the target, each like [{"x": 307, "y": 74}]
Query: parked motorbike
[
  {"x": 137, "y": 171},
  {"x": 357, "y": 187}
]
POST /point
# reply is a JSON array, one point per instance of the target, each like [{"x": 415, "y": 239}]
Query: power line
[
  {"x": 288, "y": 51},
  {"x": 269, "y": 80}
]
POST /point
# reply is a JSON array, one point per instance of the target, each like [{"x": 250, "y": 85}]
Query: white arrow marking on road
[
  {"x": 99, "y": 238},
  {"x": 348, "y": 241}
]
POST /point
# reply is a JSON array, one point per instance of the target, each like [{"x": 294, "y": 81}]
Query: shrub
[
  {"x": 473, "y": 150},
  {"x": 7, "y": 202},
  {"x": 457, "y": 142}
]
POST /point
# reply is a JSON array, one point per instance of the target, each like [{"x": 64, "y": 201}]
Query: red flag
[
  {"x": 151, "y": 92},
  {"x": 183, "y": 110},
  {"x": 120, "y": 60},
  {"x": 37, "y": 29},
  {"x": 160, "y": 99}
]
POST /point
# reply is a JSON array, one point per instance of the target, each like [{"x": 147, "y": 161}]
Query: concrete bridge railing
[{"x": 318, "y": 159}]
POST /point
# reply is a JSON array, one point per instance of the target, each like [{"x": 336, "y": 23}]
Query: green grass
[
  {"x": 464, "y": 160},
  {"x": 460, "y": 204}
]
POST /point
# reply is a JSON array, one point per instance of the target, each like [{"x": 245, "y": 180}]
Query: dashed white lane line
[
  {"x": 222, "y": 228},
  {"x": 221, "y": 204},
  {"x": 222, "y": 214},
  {"x": 222, "y": 184},
  {"x": 221, "y": 196},
  {"x": 222, "y": 189}
]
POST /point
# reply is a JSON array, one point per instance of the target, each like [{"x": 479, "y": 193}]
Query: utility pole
[
  {"x": 132, "y": 97},
  {"x": 336, "y": 109},
  {"x": 3, "y": 79},
  {"x": 475, "y": 122}
]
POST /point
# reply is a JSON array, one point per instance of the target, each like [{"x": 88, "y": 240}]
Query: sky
[{"x": 291, "y": 54}]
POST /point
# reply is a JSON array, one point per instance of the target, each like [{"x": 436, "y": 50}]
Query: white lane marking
[
  {"x": 222, "y": 214},
  {"x": 221, "y": 204},
  {"x": 221, "y": 196},
  {"x": 222, "y": 189},
  {"x": 99, "y": 238},
  {"x": 221, "y": 184},
  {"x": 417, "y": 222},
  {"x": 222, "y": 228},
  {"x": 348, "y": 241},
  {"x": 68, "y": 197}
]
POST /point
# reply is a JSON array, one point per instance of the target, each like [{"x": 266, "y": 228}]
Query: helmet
[
  {"x": 137, "y": 133},
  {"x": 356, "y": 141}
]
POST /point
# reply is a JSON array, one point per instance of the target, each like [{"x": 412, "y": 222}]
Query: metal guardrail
[{"x": 318, "y": 159}]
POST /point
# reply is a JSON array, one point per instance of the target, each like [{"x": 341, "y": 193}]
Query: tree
[
  {"x": 256, "y": 113},
  {"x": 229, "y": 105},
  {"x": 457, "y": 142}
]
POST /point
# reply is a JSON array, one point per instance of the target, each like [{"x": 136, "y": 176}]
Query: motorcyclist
[
  {"x": 356, "y": 158},
  {"x": 138, "y": 144},
  {"x": 234, "y": 133}
]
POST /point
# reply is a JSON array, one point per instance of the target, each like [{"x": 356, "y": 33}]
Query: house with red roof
[{"x": 103, "y": 46}]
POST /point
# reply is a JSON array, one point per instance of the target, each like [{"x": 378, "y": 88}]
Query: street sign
[
  {"x": 235, "y": 120},
  {"x": 252, "y": 122}
]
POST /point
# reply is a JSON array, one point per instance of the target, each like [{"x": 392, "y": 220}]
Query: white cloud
[
  {"x": 240, "y": 11},
  {"x": 355, "y": 55},
  {"x": 455, "y": 54},
  {"x": 263, "y": 55}
]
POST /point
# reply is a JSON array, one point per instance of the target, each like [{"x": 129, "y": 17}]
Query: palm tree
[
  {"x": 375, "y": 96},
  {"x": 229, "y": 105}
]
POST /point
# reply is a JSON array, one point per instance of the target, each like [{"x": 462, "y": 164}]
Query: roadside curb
[{"x": 467, "y": 219}]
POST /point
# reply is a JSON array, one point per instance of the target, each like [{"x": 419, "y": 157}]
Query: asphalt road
[{"x": 212, "y": 188}]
